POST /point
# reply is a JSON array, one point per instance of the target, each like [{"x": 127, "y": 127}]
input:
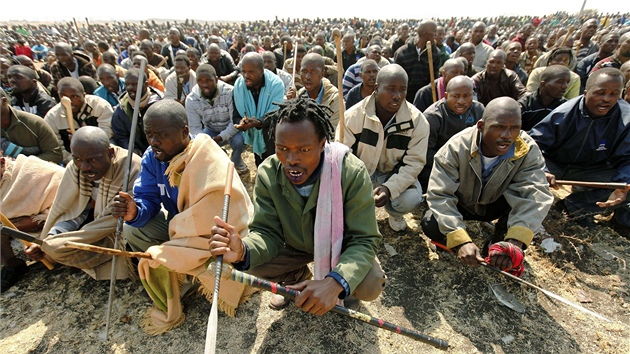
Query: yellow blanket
[
  {"x": 199, "y": 172},
  {"x": 75, "y": 192},
  {"x": 28, "y": 187}
]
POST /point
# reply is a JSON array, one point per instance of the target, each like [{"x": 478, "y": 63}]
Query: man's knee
[
  {"x": 431, "y": 228},
  {"x": 409, "y": 200},
  {"x": 237, "y": 142},
  {"x": 373, "y": 284}
]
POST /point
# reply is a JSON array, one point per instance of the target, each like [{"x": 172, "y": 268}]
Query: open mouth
[
  {"x": 295, "y": 175},
  {"x": 503, "y": 146}
]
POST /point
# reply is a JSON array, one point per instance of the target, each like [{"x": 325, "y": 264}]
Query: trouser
[
  {"x": 237, "y": 143},
  {"x": 7, "y": 256},
  {"x": 154, "y": 233},
  {"x": 407, "y": 202},
  {"x": 291, "y": 267},
  {"x": 582, "y": 200},
  {"x": 500, "y": 209}
]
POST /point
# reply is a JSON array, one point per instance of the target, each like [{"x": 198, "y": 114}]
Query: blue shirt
[
  {"x": 112, "y": 99},
  {"x": 152, "y": 189}
]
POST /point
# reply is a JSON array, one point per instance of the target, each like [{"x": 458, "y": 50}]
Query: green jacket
[
  {"x": 29, "y": 130},
  {"x": 283, "y": 217}
]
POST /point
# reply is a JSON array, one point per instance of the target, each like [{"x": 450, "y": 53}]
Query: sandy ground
[{"x": 63, "y": 311}]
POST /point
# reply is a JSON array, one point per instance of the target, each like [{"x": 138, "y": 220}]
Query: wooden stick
[
  {"x": 284, "y": 52},
  {"x": 611, "y": 185},
  {"x": 342, "y": 121},
  {"x": 431, "y": 73},
  {"x": 275, "y": 288},
  {"x": 294, "y": 68},
  {"x": 566, "y": 36},
  {"x": 67, "y": 104},
  {"x": 6, "y": 222},
  {"x": 105, "y": 250},
  {"x": 78, "y": 32},
  {"x": 162, "y": 62},
  {"x": 211, "y": 331}
]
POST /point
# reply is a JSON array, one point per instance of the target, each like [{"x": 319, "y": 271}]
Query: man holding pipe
[
  {"x": 310, "y": 196},
  {"x": 587, "y": 139},
  {"x": 490, "y": 171}
]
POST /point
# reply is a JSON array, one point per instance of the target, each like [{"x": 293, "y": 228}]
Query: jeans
[
  {"x": 237, "y": 143},
  {"x": 407, "y": 202}
]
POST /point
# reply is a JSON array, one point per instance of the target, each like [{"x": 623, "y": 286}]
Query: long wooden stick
[
  {"x": 119, "y": 225},
  {"x": 7, "y": 223},
  {"x": 211, "y": 331},
  {"x": 611, "y": 185},
  {"x": 342, "y": 121},
  {"x": 67, "y": 104},
  {"x": 275, "y": 288},
  {"x": 566, "y": 36},
  {"x": 105, "y": 250},
  {"x": 431, "y": 73},
  {"x": 78, "y": 32}
]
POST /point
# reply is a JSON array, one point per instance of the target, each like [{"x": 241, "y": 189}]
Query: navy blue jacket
[{"x": 568, "y": 136}]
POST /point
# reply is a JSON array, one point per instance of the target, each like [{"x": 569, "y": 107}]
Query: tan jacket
[
  {"x": 330, "y": 99},
  {"x": 401, "y": 149},
  {"x": 456, "y": 180}
]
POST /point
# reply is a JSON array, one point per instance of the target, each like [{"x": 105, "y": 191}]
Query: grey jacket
[
  {"x": 519, "y": 177},
  {"x": 216, "y": 116}
]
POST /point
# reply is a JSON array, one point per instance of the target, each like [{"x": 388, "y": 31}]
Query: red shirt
[{"x": 23, "y": 50}]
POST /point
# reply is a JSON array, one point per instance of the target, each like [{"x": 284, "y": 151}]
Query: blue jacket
[
  {"x": 152, "y": 189},
  {"x": 104, "y": 93},
  {"x": 569, "y": 136}
]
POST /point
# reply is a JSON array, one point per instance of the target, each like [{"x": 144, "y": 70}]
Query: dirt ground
[{"x": 63, "y": 310}]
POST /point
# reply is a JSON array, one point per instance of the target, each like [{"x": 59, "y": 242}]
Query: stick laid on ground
[
  {"x": 611, "y": 185},
  {"x": 119, "y": 225},
  {"x": 211, "y": 331},
  {"x": 342, "y": 121},
  {"x": 105, "y": 250},
  {"x": 256, "y": 282},
  {"x": 431, "y": 73},
  {"x": 546, "y": 292}
]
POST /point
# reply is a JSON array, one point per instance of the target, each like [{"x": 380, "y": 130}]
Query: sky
[{"x": 246, "y": 10}]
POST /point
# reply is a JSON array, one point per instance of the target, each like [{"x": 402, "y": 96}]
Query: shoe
[
  {"x": 397, "y": 223},
  {"x": 242, "y": 169},
  {"x": 352, "y": 303},
  {"x": 11, "y": 275},
  {"x": 278, "y": 302}
]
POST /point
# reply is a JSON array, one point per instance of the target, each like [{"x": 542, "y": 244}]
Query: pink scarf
[
  {"x": 329, "y": 217},
  {"x": 441, "y": 88}
]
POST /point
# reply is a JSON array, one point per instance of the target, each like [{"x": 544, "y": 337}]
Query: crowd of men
[{"x": 461, "y": 119}]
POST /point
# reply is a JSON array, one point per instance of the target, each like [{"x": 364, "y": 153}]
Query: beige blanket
[
  {"x": 75, "y": 192},
  {"x": 200, "y": 173},
  {"x": 28, "y": 187}
]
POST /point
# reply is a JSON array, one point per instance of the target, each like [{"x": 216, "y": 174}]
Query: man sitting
[
  {"x": 535, "y": 106},
  {"x": 369, "y": 70},
  {"x": 71, "y": 64},
  {"x": 586, "y": 139},
  {"x": 170, "y": 178},
  {"x": 317, "y": 87},
  {"x": 270, "y": 64},
  {"x": 222, "y": 62},
  {"x": 86, "y": 110},
  {"x": 309, "y": 196},
  {"x": 390, "y": 136},
  {"x": 424, "y": 96},
  {"x": 497, "y": 81},
  {"x": 179, "y": 83},
  {"x": 27, "y": 93},
  {"x": 210, "y": 110},
  {"x": 112, "y": 87},
  {"x": 490, "y": 171},
  {"x": 24, "y": 133},
  {"x": 83, "y": 212},
  {"x": 28, "y": 186},
  {"x": 123, "y": 114},
  {"x": 447, "y": 117}
]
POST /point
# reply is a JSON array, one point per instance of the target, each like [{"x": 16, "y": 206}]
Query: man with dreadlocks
[{"x": 328, "y": 190}]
